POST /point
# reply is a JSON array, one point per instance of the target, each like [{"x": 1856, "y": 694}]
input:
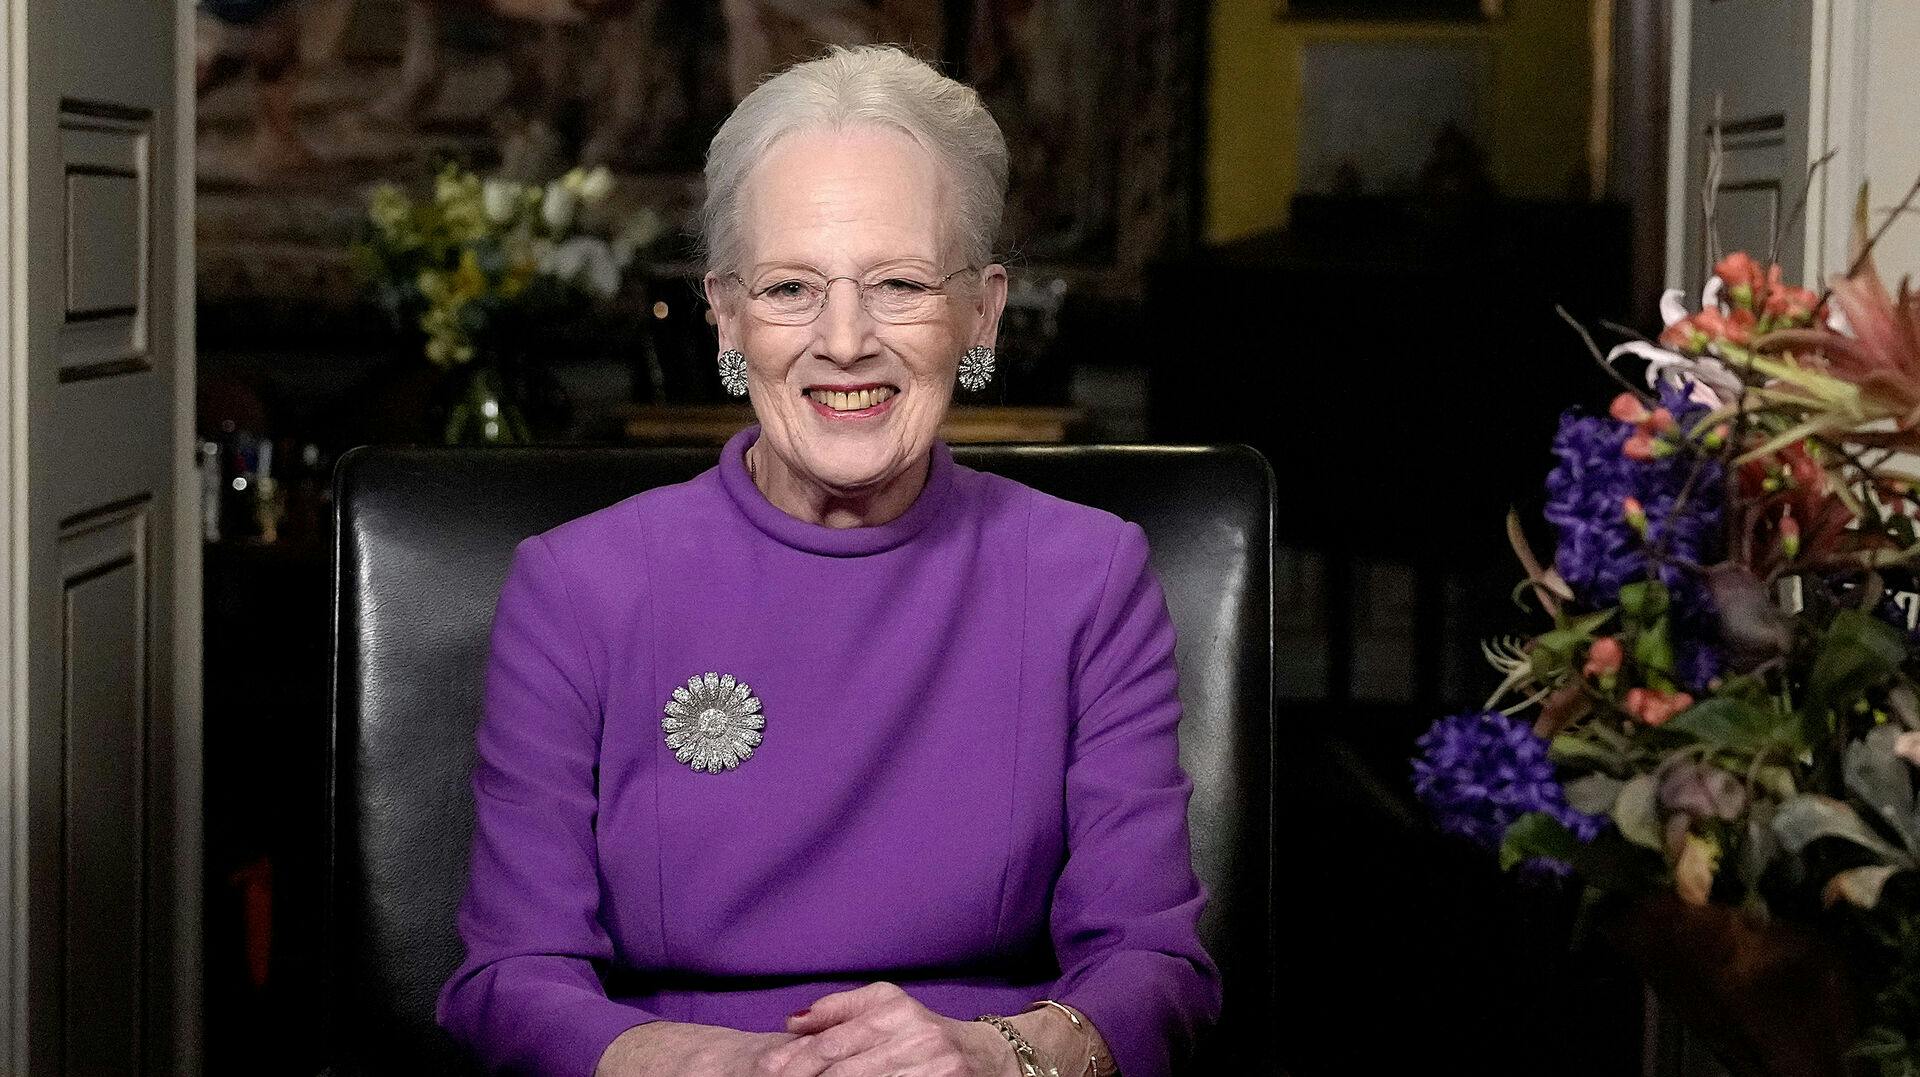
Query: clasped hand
[
  {"x": 872, "y": 1031},
  {"x": 881, "y": 1031}
]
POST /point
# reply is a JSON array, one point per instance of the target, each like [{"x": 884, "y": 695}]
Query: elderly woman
[{"x": 840, "y": 759}]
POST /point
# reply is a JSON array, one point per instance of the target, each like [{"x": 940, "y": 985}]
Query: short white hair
[{"x": 880, "y": 85}]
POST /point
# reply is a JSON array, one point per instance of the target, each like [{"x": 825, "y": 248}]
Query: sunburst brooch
[{"x": 713, "y": 722}]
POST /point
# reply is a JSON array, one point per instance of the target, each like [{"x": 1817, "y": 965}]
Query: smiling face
[{"x": 850, "y": 404}]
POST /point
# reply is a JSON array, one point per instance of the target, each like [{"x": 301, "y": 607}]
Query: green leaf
[
  {"x": 1777, "y": 780},
  {"x": 1810, "y": 818},
  {"x": 1554, "y": 650},
  {"x": 1586, "y": 623},
  {"x": 1879, "y": 781},
  {"x": 1761, "y": 846},
  {"x": 1536, "y": 834},
  {"x": 1653, "y": 653},
  {"x": 1859, "y": 652},
  {"x": 1644, "y": 600},
  {"x": 1581, "y": 754},
  {"x": 1636, "y": 812},
  {"x": 1608, "y": 861},
  {"x": 1572, "y": 634},
  {"x": 1593, "y": 794},
  {"x": 1730, "y": 725}
]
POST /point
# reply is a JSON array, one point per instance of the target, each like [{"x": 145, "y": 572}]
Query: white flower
[
  {"x": 590, "y": 185},
  {"x": 639, "y": 232},
  {"x": 1673, "y": 306},
  {"x": 558, "y": 206},
  {"x": 501, "y": 199},
  {"x": 586, "y": 261},
  {"x": 713, "y": 723},
  {"x": 1713, "y": 382}
]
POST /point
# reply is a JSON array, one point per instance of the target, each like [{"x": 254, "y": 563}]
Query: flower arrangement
[
  {"x": 1726, "y": 707},
  {"x": 477, "y": 249},
  {"x": 482, "y": 263}
]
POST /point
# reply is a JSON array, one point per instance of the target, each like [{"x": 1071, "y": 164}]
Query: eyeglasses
[{"x": 894, "y": 296}]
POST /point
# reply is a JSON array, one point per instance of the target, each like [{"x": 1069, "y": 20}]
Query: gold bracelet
[
  {"x": 1093, "y": 1060},
  {"x": 1023, "y": 1052}
]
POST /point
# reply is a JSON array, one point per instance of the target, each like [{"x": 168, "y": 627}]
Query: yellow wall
[{"x": 1540, "y": 85}]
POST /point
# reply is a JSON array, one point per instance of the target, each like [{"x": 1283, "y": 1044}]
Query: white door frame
[
  {"x": 1679, "y": 120},
  {"x": 1836, "y": 123},
  {"x": 13, "y": 552},
  {"x": 189, "y": 955},
  {"x": 186, "y": 961}
]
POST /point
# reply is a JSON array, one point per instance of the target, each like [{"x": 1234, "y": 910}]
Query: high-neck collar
[{"x": 818, "y": 538}]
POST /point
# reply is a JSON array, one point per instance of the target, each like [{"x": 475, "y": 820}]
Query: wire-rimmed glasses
[{"x": 897, "y": 296}]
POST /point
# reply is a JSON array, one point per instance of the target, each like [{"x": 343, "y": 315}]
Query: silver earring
[
  {"x": 976, "y": 368},
  {"x": 733, "y": 372}
]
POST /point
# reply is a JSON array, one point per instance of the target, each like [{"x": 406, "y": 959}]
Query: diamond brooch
[{"x": 713, "y": 722}]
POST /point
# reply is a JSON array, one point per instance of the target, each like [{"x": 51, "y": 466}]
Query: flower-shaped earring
[
  {"x": 976, "y": 368},
  {"x": 733, "y": 372}
]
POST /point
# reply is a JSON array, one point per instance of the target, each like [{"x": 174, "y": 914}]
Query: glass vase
[{"x": 484, "y": 409}]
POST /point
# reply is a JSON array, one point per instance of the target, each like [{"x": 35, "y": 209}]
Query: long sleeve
[
  {"x": 1126, "y": 907},
  {"x": 528, "y": 998}
]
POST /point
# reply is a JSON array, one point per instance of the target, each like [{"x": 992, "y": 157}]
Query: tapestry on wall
[{"x": 306, "y": 104}]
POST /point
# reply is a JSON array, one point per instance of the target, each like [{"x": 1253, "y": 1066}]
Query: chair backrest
[{"x": 423, "y": 539}]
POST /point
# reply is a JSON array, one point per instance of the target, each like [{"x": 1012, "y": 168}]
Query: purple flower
[
  {"x": 1479, "y": 772},
  {"x": 1696, "y": 660},
  {"x": 1599, "y": 551}
]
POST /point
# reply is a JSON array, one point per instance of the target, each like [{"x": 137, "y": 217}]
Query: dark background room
[
  {"x": 1385, "y": 243},
  {"x": 1227, "y": 223}
]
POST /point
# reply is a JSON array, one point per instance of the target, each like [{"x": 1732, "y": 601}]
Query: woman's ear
[
  {"x": 992, "y": 302},
  {"x": 720, "y": 300}
]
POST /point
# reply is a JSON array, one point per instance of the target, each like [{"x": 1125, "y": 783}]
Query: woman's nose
[{"x": 845, "y": 329}]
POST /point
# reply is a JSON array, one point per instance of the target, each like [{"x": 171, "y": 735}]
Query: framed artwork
[{"x": 1377, "y": 117}]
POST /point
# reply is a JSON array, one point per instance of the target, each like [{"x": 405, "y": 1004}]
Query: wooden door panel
[
  {"x": 104, "y": 650},
  {"x": 106, "y": 161}
]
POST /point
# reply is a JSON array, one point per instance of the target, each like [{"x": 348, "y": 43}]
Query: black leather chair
[{"x": 423, "y": 541}]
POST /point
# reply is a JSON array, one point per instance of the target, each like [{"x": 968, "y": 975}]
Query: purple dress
[{"x": 966, "y": 783}]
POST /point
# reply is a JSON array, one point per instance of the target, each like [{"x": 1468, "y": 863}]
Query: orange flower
[
  {"x": 1684, "y": 337},
  {"x": 1743, "y": 277},
  {"x": 1635, "y": 513},
  {"x": 1603, "y": 657},
  {"x": 1788, "y": 304},
  {"x": 1650, "y": 424},
  {"x": 1628, "y": 409},
  {"x": 1692, "y": 335},
  {"x": 1654, "y": 708}
]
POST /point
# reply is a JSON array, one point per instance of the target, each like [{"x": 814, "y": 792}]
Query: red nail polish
[{"x": 803, "y": 1013}]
